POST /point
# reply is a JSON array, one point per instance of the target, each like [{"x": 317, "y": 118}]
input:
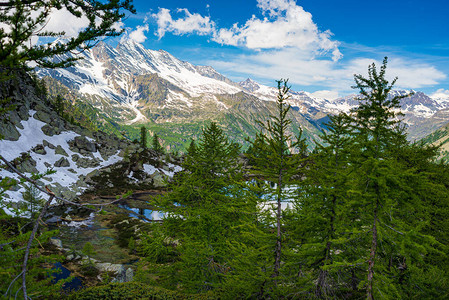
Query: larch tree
[
  {"x": 275, "y": 162},
  {"x": 384, "y": 188},
  {"x": 317, "y": 217},
  {"x": 205, "y": 210},
  {"x": 24, "y": 21}
]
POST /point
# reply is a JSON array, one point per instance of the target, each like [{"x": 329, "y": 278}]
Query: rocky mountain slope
[
  {"x": 132, "y": 85},
  {"x": 37, "y": 139}
]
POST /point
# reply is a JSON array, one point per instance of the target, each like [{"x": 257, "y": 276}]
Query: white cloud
[
  {"x": 285, "y": 24},
  {"x": 190, "y": 23},
  {"x": 138, "y": 35},
  {"x": 335, "y": 76},
  {"x": 63, "y": 20},
  {"x": 326, "y": 94},
  {"x": 440, "y": 94},
  {"x": 284, "y": 42}
]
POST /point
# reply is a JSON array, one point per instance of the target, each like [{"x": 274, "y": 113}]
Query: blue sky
[{"x": 317, "y": 44}]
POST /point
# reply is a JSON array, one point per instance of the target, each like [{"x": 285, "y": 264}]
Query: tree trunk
[
  {"x": 278, "y": 249},
  {"x": 369, "y": 289}
]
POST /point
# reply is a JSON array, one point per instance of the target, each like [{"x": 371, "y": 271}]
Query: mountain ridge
[{"x": 156, "y": 87}]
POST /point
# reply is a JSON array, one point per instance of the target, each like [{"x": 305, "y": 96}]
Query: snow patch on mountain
[{"x": 32, "y": 135}]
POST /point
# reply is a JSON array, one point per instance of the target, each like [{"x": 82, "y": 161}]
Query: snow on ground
[
  {"x": 139, "y": 116},
  {"x": 32, "y": 135},
  {"x": 149, "y": 169}
]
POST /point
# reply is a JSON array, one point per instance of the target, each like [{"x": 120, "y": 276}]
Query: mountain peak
[{"x": 249, "y": 85}]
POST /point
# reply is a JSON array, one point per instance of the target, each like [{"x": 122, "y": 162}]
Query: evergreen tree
[
  {"x": 316, "y": 219},
  {"x": 156, "y": 146},
  {"x": 33, "y": 200},
  {"x": 59, "y": 105},
  {"x": 143, "y": 137},
  {"x": 206, "y": 211},
  {"x": 384, "y": 185},
  {"x": 275, "y": 163},
  {"x": 23, "y": 21}
]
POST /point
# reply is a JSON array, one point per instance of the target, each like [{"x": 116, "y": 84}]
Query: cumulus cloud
[
  {"x": 138, "y": 35},
  {"x": 285, "y": 24},
  {"x": 284, "y": 42},
  {"x": 190, "y": 23}
]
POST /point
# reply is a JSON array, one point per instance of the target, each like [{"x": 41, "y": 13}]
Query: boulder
[
  {"x": 108, "y": 267},
  {"x": 10, "y": 132},
  {"x": 124, "y": 275},
  {"x": 84, "y": 162},
  {"x": 27, "y": 165},
  {"x": 62, "y": 162},
  {"x": 158, "y": 180},
  {"x": 50, "y": 130},
  {"x": 81, "y": 143},
  {"x": 59, "y": 150},
  {"x": 39, "y": 149},
  {"x": 43, "y": 116},
  {"x": 57, "y": 243}
]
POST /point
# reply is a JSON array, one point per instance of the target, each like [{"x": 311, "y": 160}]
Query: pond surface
[
  {"x": 62, "y": 272},
  {"x": 149, "y": 214}
]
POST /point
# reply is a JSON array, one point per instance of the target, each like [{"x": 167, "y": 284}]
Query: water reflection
[{"x": 149, "y": 214}]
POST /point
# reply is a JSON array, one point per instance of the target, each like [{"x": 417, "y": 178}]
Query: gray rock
[
  {"x": 62, "y": 162},
  {"x": 39, "y": 149},
  {"x": 28, "y": 166},
  {"x": 82, "y": 143},
  {"x": 9, "y": 132},
  {"x": 124, "y": 275},
  {"x": 59, "y": 150},
  {"x": 129, "y": 275},
  {"x": 57, "y": 243},
  {"x": 84, "y": 162},
  {"x": 49, "y": 145},
  {"x": 158, "y": 180},
  {"x": 50, "y": 130},
  {"x": 108, "y": 267},
  {"x": 43, "y": 116}
]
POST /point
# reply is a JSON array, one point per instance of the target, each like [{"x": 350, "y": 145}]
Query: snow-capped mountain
[
  {"x": 149, "y": 85},
  {"x": 108, "y": 72}
]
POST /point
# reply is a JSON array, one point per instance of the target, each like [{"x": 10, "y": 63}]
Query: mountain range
[{"x": 132, "y": 85}]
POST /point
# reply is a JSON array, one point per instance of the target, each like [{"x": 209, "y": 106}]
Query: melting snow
[{"x": 30, "y": 136}]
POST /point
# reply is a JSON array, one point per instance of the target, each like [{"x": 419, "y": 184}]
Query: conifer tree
[
  {"x": 383, "y": 190},
  {"x": 156, "y": 146},
  {"x": 204, "y": 210},
  {"x": 33, "y": 200},
  {"x": 25, "y": 20},
  {"x": 143, "y": 137},
  {"x": 319, "y": 207},
  {"x": 276, "y": 164}
]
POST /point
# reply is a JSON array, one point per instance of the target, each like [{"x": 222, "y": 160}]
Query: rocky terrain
[{"x": 85, "y": 166}]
